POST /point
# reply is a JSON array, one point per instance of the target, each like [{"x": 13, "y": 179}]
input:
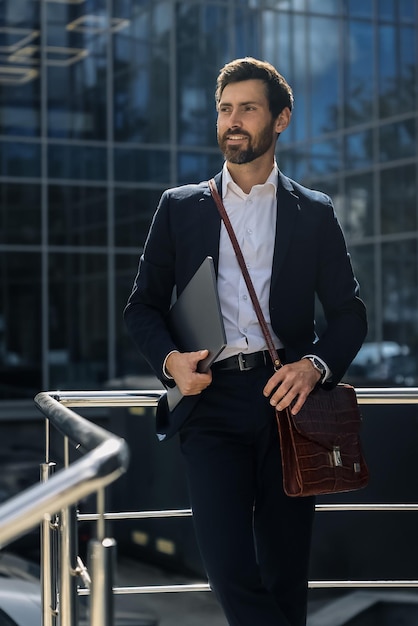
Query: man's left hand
[{"x": 290, "y": 382}]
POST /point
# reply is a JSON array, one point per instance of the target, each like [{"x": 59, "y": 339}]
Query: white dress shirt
[{"x": 253, "y": 218}]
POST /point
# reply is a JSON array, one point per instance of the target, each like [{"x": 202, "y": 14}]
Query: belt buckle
[{"x": 241, "y": 363}]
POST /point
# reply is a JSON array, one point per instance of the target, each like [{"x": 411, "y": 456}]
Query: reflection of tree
[
  {"x": 198, "y": 49},
  {"x": 399, "y": 97}
]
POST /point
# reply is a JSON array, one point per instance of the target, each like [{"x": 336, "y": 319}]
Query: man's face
[{"x": 246, "y": 128}]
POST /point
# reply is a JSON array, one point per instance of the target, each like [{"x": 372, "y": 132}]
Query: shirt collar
[{"x": 229, "y": 184}]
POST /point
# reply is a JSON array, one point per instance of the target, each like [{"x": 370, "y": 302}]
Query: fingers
[
  {"x": 291, "y": 385},
  {"x": 183, "y": 369}
]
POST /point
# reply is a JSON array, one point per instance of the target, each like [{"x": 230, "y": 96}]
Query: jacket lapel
[{"x": 210, "y": 222}]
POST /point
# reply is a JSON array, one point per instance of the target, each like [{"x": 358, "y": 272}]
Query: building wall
[{"x": 104, "y": 103}]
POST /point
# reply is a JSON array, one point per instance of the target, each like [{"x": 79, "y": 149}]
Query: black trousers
[{"x": 254, "y": 540}]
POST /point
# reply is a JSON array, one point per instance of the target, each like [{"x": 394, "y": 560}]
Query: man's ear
[{"x": 283, "y": 120}]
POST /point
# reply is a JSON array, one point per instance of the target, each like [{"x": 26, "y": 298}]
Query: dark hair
[{"x": 279, "y": 93}]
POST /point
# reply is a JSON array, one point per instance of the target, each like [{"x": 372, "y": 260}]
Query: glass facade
[{"x": 104, "y": 103}]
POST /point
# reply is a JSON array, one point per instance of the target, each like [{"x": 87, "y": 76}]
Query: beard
[{"x": 255, "y": 147}]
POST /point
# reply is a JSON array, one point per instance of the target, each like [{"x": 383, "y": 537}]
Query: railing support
[
  {"x": 102, "y": 560},
  {"x": 49, "y": 555}
]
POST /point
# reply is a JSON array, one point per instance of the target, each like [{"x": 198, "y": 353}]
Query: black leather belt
[{"x": 243, "y": 362}]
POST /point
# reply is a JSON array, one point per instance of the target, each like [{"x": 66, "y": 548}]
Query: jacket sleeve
[{"x": 146, "y": 312}]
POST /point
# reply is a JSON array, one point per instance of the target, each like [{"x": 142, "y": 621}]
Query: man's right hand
[{"x": 182, "y": 366}]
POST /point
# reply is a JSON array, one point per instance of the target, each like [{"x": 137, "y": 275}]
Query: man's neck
[{"x": 246, "y": 175}]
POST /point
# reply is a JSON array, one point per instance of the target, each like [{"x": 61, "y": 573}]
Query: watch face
[{"x": 319, "y": 366}]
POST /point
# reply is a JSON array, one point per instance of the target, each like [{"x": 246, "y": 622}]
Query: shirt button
[
  {"x": 249, "y": 231},
  {"x": 245, "y": 297}
]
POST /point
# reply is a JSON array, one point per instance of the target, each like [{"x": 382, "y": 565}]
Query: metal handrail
[
  {"x": 106, "y": 458},
  {"x": 130, "y": 398}
]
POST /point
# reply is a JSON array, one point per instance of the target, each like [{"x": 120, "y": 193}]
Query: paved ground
[{"x": 172, "y": 609}]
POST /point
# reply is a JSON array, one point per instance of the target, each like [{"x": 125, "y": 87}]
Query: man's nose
[{"x": 235, "y": 119}]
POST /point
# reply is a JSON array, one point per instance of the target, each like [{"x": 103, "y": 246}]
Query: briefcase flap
[{"x": 329, "y": 417}]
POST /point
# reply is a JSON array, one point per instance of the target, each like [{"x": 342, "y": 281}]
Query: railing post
[
  {"x": 102, "y": 566},
  {"x": 49, "y": 556},
  {"x": 68, "y": 604}
]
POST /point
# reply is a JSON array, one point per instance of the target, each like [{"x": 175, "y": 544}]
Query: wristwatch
[{"x": 318, "y": 366}]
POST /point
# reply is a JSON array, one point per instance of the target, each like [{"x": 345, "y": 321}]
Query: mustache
[{"x": 234, "y": 132}]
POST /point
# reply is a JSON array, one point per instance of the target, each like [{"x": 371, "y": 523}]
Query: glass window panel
[
  {"x": 77, "y": 216},
  {"x": 400, "y": 296},
  {"x": 142, "y": 85},
  {"x": 360, "y": 8},
  {"x": 20, "y": 324},
  {"x": 397, "y": 141},
  {"x": 196, "y": 75},
  {"x": 295, "y": 162},
  {"x": 19, "y": 75},
  {"x": 78, "y": 320},
  {"x": 398, "y": 200},
  {"x": 386, "y": 9},
  {"x": 76, "y": 61},
  {"x": 359, "y": 150},
  {"x": 363, "y": 259},
  {"x": 276, "y": 47},
  {"x": 134, "y": 209},
  {"x": 77, "y": 162},
  {"x": 407, "y": 10},
  {"x": 324, "y": 74},
  {"x": 358, "y": 71},
  {"x": 246, "y": 34},
  {"x": 407, "y": 70},
  {"x": 325, "y": 157},
  {"x": 20, "y": 159},
  {"x": 193, "y": 167},
  {"x": 358, "y": 206},
  {"x": 137, "y": 165},
  {"x": 324, "y": 6},
  {"x": 300, "y": 80},
  {"x": 20, "y": 214}
]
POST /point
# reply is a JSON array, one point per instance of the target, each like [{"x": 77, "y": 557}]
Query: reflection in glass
[
  {"x": 194, "y": 167},
  {"x": 397, "y": 70},
  {"x": 358, "y": 72},
  {"x": 78, "y": 316},
  {"x": 134, "y": 209},
  {"x": 325, "y": 156},
  {"x": 294, "y": 162},
  {"x": 20, "y": 159},
  {"x": 78, "y": 162},
  {"x": 196, "y": 77},
  {"x": 324, "y": 74},
  {"x": 363, "y": 259},
  {"x": 400, "y": 293},
  {"x": 77, "y": 216},
  {"x": 398, "y": 189},
  {"x": 397, "y": 141},
  {"x": 358, "y": 205},
  {"x": 142, "y": 86},
  {"x": 20, "y": 214},
  {"x": 20, "y": 324},
  {"x": 358, "y": 150},
  {"x": 137, "y": 165},
  {"x": 360, "y": 8}
]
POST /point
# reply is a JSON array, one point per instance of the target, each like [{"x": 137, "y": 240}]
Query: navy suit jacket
[{"x": 310, "y": 257}]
